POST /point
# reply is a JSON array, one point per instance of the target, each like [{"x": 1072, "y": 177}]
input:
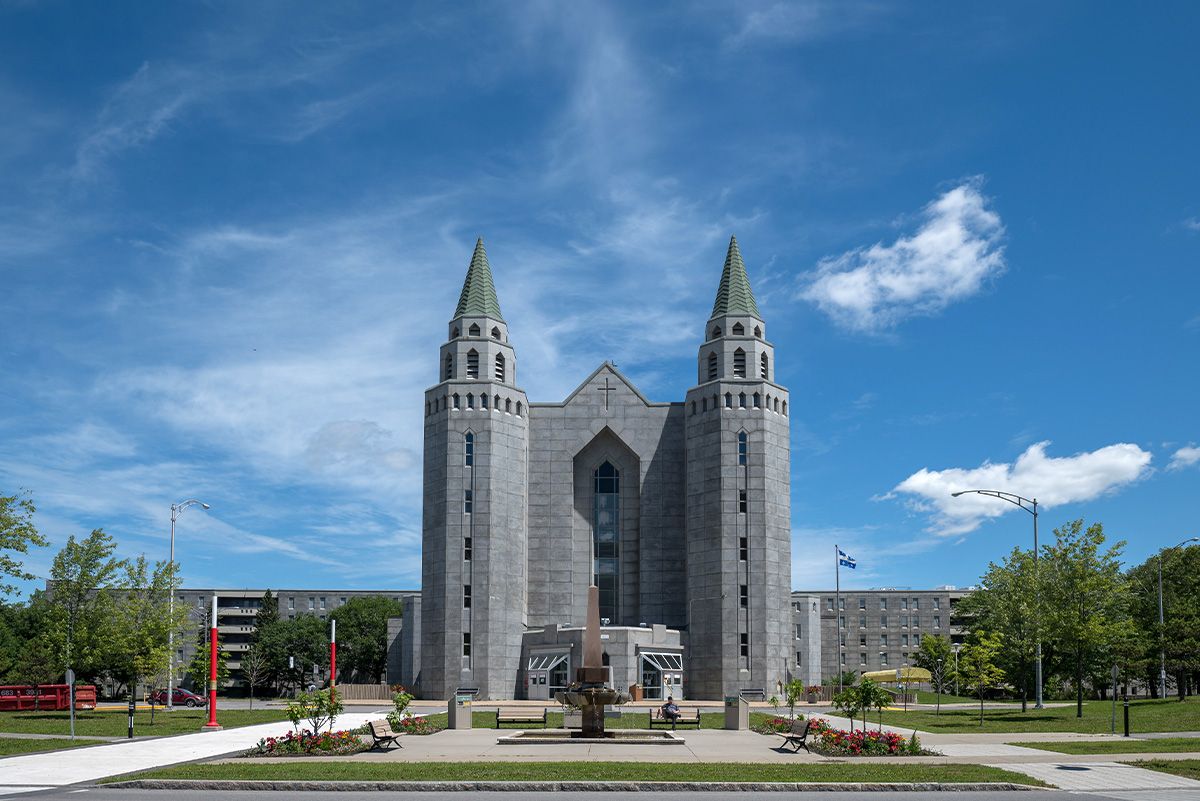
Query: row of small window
[
  {"x": 498, "y": 366},
  {"x": 739, "y": 366},
  {"x": 883, "y": 658},
  {"x": 883, "y": 603},
  {"x": 883, "y": 621},
  {"x": 883, "y": 640},
  {"x": 740, "y": 399},
  {"x": 738, "y": 330},
  {"x": 455, "y": 401},
  {"x": 475, "y": 331}
]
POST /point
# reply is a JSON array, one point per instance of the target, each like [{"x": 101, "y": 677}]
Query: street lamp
[
  {"x": 955, "y": 648},
  {"x": 176, "y": 510},
  {"x": 1030, "y": 506},
  {"x": 1162, "y": 648}
]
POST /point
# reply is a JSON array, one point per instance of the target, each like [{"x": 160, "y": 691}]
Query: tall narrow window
[
  {"x": 456, "y": 400},
  {"x": 466, "y": 549},
  {"x": 741, "y": 400},
  {"x": 757, "y": 400},
  {"x": 758, "y": 332},
  {"x": 472, "y": 364},
  {"x": 742, "y": 501},
  {"x": 483, "y": 401},
  {"x": 473, "y": 330},
  {"x": 495, "y": 333},
  {"x": 467, "y": 502},
  {"x": 744, "y": 550},
  {"x": 716, "y": 332},
  {"x": 764, "y": 369},
  {"x": 606, "y": 537},
  {"x": 712, "y": 367},
  {"x": 743, "y": 447},
  {"x": 466, "y": 596},
  {"x": 455, "y": 333},
  {"x": 448, "y": 373},
  {"x": 470, "y": 400},
  {"x": 508, "y": 405},
  {"x": 745, "y": 644},
  {"x": 744, "y": 596},
  {"x": 469, "y": 449},
  {"x": 500, "y": 367},
  {"x": 466, "y": 643},
  {"x": 728, "y": 400},
  {"x": 739, "y": 363},
  {"x": 738, "y": 329}
]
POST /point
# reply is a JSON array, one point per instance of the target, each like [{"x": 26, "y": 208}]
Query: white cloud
[
  {"x": 798, "y": 21},
  {"x": 1052, "y": 480},
  {"x": 957, "y": 249},
  {"x": 1192, "y": 223},
  {"x": 1184, "y": 457}
]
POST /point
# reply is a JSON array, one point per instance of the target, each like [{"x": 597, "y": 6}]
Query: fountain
[{"x": 590, "y": 691}]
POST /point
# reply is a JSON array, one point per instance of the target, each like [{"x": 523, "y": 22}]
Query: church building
[{"x": 677, "y": 510}]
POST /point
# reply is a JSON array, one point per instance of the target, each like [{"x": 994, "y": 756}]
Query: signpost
[
  {"x": 132, "y": 709},
  {"x": 71, "y": 698},
  {"x": 212, "y": 724},
  {"x": 332, "y": 658}
]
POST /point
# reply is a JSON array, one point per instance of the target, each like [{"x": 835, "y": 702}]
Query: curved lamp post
[
  {"x": 176, "y": 510},
  {"x": 1162, "y": 648},
  {"x": 1031, "y": 506}
]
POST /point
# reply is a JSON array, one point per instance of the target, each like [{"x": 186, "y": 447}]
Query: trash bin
[{"x": 636, "y": 692}]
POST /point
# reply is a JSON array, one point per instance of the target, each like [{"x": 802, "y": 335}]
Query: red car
[{"x": 180, "y": 697}]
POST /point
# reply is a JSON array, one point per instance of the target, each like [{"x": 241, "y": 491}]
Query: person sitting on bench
[{"x": 670, "y": 710}]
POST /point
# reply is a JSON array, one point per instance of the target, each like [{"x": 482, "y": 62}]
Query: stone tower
[
  {"x": 738, "y": 504},
  {"x": 474, "y": 527}
]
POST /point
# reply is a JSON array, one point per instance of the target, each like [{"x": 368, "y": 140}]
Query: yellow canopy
[{"x": 899, "y": 675}]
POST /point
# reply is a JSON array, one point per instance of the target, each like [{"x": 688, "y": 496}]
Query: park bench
[
  {"x": 797, "y": 737},
  {"x": 382, "y": 734},
  {"x": 525, "y": 716},
  {"x": 683, "y": 719}
]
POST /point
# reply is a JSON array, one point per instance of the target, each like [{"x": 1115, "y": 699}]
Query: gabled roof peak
[
  {"x": 479, "y": 292},
  {"x": 734, "y": 295}
]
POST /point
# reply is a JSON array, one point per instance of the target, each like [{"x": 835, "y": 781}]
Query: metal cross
[{"x": 606, "y": 389}]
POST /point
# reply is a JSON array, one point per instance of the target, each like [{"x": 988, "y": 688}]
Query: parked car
[{"x": 180, "y": 697}]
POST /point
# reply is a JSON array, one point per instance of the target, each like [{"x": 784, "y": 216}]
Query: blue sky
[{"x": 231, "y": 235}]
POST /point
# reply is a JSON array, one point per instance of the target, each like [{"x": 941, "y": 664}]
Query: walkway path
[{"x": 42, "y": 771}]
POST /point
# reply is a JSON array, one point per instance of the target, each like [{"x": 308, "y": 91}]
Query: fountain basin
[{"x": 615, "y": 737}]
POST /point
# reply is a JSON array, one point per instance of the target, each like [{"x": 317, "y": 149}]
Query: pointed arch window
[
  {"x": 495, "y": 333},
  {"x": 518, "y": 408},
  {"x": 757, "y": 400},
  {"x": 456, "y": 399},
  {"x": 469, "y": 449},
  {"x": 739, "y": 363},
  {"x": 499, "y": 370},
  {"x": 473, "y": 330},
  {"x": 455, "y": 333},
  {"x": 483, "y": 401},
  {"x": 472, "y": 364},
  {"x": 739, "y": 329},
  {"x": 448, "y": 372},
  {"x": 712, "y": 367},
  {"x": 741, "y": 400},
  {"x": 496, "y": 403},
  {"x": 728, "y": 400},
  {"x": 764, "y": 367},
  {"x": 757, "y": 332},
  {"x": 743, "y": 447},
  {"x": 716, "y": 332},
  {"x": 508, "y": 405},
  {"x": 606, "y": 537},
  {"x": 470, "y": 400}
]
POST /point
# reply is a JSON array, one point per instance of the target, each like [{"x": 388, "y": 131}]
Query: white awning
[
  {"x": 663, "y": 661},
  {"x": 545, "y": 661}
]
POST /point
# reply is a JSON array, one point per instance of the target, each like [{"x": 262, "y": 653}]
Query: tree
[
  {"x": 198, "y": 669},
  {"x": 17, "y": 533},
  {"x": 267, "y": 614},
  {"x": 362, "y": 635},
  {"x": 1086, "y": 598},
  {"x": 255, "y": 669},
  {"x": 303, "y": 639},
  {"x": 935, "y": 655},
  {"x": 79, "y": 605},
  {"x": 977, "y": 665},
  {"x": 1178, "y": 639},
  {"x": 793, "y": 692},
  {"x": 1008, "y": 604},
  {"x": 143, "y": 619},
  {"x": 24, "y": 656}
]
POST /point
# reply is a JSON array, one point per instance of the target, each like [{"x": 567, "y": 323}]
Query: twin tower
[{"x": 679, "y": 512}]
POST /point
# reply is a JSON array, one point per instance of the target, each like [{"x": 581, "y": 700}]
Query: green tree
[
  {"x": 935, "y": 655},
  {"x": 1086, "y": 598},
  {"x": 267, "y": 614},
  {"x": 143, "y": 618},
  {"x": 17, "y": 533},
  {"x": 362, "y": 636},
  {"x": 197, "y": 669},
  {"x": 793, "y": 692},
  {"x": 79, "y": 603},
  {"x": 304, "y": 640},
  {"x": 977, "y": 665},
  {"x": 1008, "y": 604},
  {"x": 1178, "y": 639}
]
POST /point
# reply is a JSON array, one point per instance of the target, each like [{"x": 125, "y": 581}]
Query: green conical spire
[
  {"x": 479, "y": 293},
  {"x": 734, "y": 296}
]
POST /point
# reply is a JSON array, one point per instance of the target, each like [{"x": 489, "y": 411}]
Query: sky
[{"x": 232, "y": 234}]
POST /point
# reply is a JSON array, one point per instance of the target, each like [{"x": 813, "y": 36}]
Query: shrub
[
  {"x": 775, "y": 725},
  {"x": 319, "y": 709},
  {"x": 838, "y": 742},
  {"x": 400, "y": 702},
  {"x": 305, "y": 743}
]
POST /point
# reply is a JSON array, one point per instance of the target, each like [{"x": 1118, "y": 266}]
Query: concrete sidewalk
[{"x": 42, "y": 771}]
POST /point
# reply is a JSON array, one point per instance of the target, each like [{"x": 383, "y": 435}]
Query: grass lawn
[
  {"x": 1144, "y": 716},
  {"x": 1166, "y": 745},
  {"x": 115, "y": 724},
  {"x": 17, "y": 745},
  {"x": 1187, "y": 768},
  {"x": 628, "y": 720},
  {"x": 317, "y": 770}
]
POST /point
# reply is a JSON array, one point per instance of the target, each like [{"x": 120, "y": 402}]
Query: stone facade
[{"x": 678, "y": 511}]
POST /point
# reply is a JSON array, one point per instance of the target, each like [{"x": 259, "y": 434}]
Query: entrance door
[
  {"x": 672, "y": 685},
  {"x": 541, "y": 674}
]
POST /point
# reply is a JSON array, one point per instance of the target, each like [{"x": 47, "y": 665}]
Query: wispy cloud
[
  {"x": 1054, "y": 481},
  {"x": 952, "y": 256},
  {"x": 1184, "y": 457},
  {"x": 797, "y": 21},
  {"x": 1192, "y": 223}
]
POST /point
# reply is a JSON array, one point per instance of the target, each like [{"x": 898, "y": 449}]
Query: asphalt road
[{"x": 101, "y": 794}]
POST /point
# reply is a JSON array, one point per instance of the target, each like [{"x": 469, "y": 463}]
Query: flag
[{"x": 846, "y": 561}]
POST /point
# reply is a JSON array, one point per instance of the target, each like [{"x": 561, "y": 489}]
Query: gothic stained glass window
[{"x": 606, "y": 537}]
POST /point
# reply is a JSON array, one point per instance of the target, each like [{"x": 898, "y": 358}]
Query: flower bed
[
  {"x": 419, "y": 725},
  {"x": 305, "y": 743},
  {"x": 829, "y": 741},
  {"x": 775, "y": 725}
]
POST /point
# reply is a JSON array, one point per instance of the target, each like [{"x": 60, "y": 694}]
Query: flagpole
[{"x": 837, "y": 611}]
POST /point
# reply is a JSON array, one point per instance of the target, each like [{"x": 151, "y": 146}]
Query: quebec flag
[{"x": 846, "y": 561}]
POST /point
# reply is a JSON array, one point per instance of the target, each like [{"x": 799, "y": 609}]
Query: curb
[{"x": 560, "y": 787}]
